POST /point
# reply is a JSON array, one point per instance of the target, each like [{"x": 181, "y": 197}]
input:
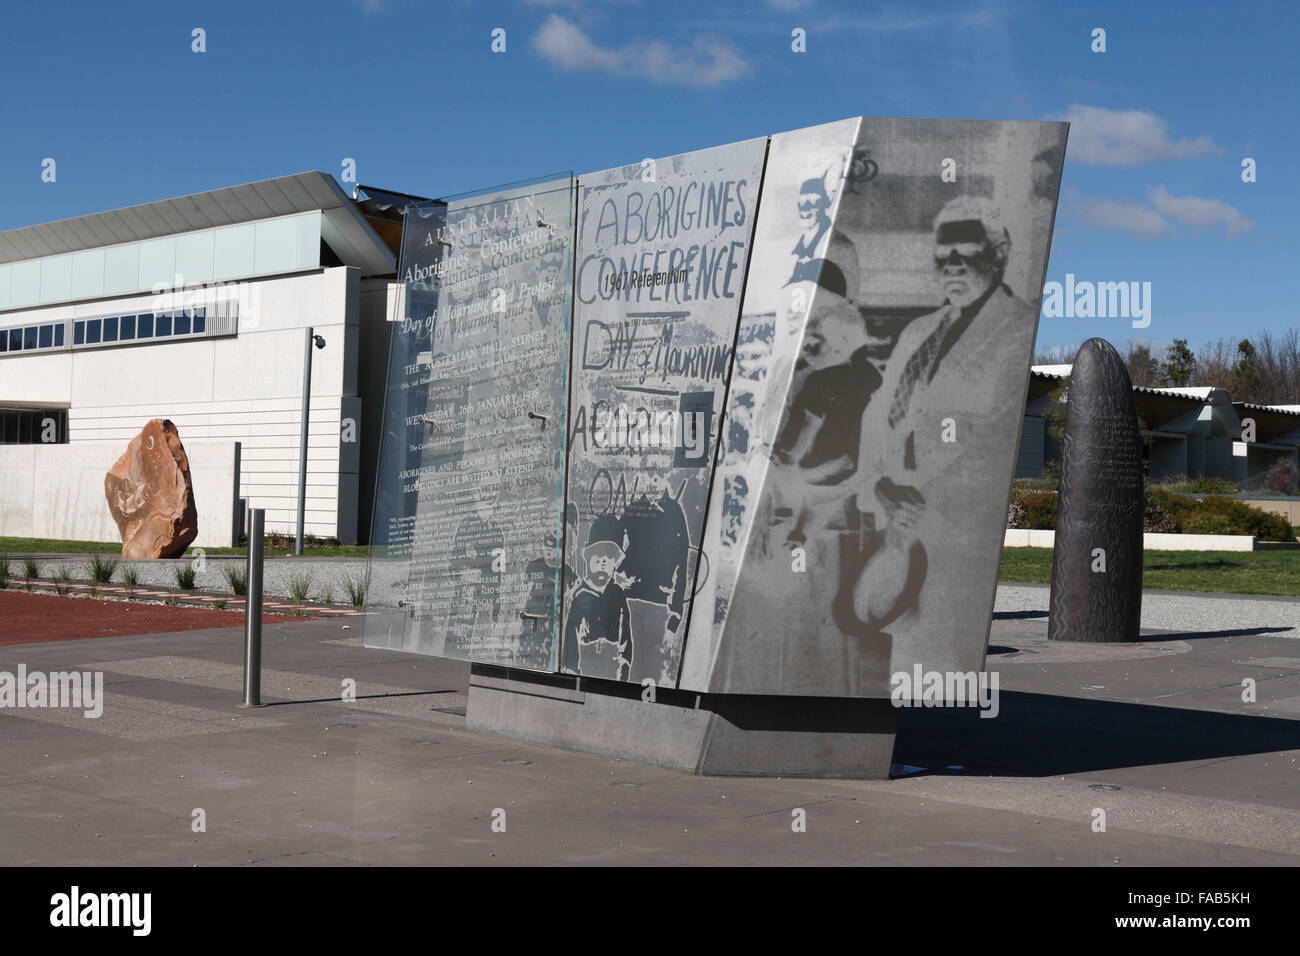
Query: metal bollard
[{"x": 253, "y": 611}]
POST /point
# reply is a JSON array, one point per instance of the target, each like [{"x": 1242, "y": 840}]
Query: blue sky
[{"x": 413, "y": 93}]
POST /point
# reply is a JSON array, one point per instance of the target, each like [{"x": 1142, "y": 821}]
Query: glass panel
[
  {"x": 182, "y": 323},
  {"x": 4, "y": 341},
  {"x": 46, "y": 336},
  {"x": 29, "y": 337},
  {"x": 127, "y": 328},
  {"x": 92, "y": 331},
  {"x": 58, "y": 336},
  {"x": 144, "y": 326},
  {"x": 658, "y": 283},
  {"x": 467, "y": 520},
  {"x": 163, "y": 324},
  {"x": 110, "y": 329},
  {"x": 79, "y": 333},
  {"x": 200, "y": 321}
]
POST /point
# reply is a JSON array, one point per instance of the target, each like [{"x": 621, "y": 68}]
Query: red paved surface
[{"x": 33, "y": 618}]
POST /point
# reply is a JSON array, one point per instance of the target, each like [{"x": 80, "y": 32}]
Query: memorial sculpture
[
  {"x": 150, "y": 494},
  {"x": 768, "y": 423},
  {"x": 1097, "y": 553}
]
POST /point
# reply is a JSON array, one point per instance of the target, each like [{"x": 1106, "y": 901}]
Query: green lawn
[
  {"x": 1229, "y": 572},
  {"x": 46, "y": 545}
]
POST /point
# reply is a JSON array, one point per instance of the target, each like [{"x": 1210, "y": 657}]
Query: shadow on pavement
[{"x": 1039, "y": 735}]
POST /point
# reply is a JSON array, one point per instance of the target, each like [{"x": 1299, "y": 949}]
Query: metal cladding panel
[
  {"x": 663, "y": 247},
  {"x": 871, "y": 543}
]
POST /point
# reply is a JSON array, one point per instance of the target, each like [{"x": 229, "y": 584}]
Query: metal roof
[{"x": 344, "y": 228}]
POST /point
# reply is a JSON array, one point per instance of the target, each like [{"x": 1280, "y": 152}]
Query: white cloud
[
  {"x": 1158, "y": 219},
  {"x": 703, "y": 63},
  {"x": 1120, "y": 215},
  {"x": 1200, "y": 213},
  {"x": 1126, "y": 138}
]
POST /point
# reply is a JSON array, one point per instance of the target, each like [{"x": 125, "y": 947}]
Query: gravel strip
[{"x": 1192, "y": 613}]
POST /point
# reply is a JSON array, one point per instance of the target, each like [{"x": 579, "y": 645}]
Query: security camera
[{"x": 320, "y": 341}]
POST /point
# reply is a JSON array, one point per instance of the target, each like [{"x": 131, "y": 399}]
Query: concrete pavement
[{"x": 1156, "y": 735}]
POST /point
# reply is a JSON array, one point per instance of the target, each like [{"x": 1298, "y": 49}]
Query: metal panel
[
  {"x": 232, "y": 255},
  {"x": 26, "y": 288},
  {"x": 56, "y": 278},
  {"x": 194, "y": 256},
  {"x": 122, "y": 269},
  {"x": 275, "y": 246},
  {"x": 157, "y": 263}
]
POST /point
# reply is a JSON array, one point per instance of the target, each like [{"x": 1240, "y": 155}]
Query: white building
[
  {"x": 1196, "y": 431},
  {"x": 195, "y": 309}
]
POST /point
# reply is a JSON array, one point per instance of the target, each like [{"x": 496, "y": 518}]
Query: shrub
[
  {"x": 4, "y": 571},
  {"x": 63, "y": 580},
  {"x": 1217, "y": 514},
  {"x": 1037, "y": 509},
  {"x": 356, "y": 588},
  {"x": 131, "y": 580},
  {"x": 102, "y": 568},
  {"x": 219, "y": 604},
  {"x": 237, "y": 577},
  {"x": 31, "y": 569},
  {"x": 1035, "y": 484},
  {"x": 1283, "y": 478},
  {"x": 300, "y": 585},
  {"x": 1015, "y": 516},
  {"x": 1156, "y": 518},
  {"x": 184, "y": 576},
  {"x": 327, "y": 594}
]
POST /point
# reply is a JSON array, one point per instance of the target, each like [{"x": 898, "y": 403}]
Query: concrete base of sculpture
[{"x": 721, "y": 734}]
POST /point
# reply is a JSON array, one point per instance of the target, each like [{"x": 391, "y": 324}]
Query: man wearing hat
[
  {"x": 598, "y": 631},
  {"x": 932, "y": 436}
]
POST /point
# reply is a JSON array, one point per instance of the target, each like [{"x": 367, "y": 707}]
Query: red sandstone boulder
[{"x": 150, "y": 495}]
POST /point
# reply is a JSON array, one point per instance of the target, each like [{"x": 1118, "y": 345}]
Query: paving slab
[{"x": 1154, "y": 734}]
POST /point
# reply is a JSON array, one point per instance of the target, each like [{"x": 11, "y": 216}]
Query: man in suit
[{"x": 932, "y": 437}]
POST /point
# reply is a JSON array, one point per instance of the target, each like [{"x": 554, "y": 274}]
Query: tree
[
  {"x": 1245, "y": 374},
  {"x": 1179, "y": 365},
  {"x": 1142, "y": 366}
]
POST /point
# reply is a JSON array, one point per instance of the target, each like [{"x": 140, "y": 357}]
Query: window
[
  {"x": 58, "y": 336},
  {"x": 144, "y": 325},
  {"x": 200, "y": 321},
  {"x": 79, "y": 334},
  {"x": 163, "y": 323},
  {"x": 127, "y": 328},
  {"x": 25, "y": 426},
  {"x": 29, "y": 337},
  {"x": 93, "y": 331},
  {"x": 47, "y": 336},
  {"x": 183, "y": 323}
]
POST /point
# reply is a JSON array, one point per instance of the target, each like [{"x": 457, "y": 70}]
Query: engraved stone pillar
[{"x": 1097, "y": 560}]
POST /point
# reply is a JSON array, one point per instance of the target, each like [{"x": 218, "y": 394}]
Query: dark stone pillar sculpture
[{"x": 1097, "y": 560}]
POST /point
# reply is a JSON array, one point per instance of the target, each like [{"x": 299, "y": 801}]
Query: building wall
[
  {"x": 245, "y": 388},
  {"x": 57, "y": 491}
]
